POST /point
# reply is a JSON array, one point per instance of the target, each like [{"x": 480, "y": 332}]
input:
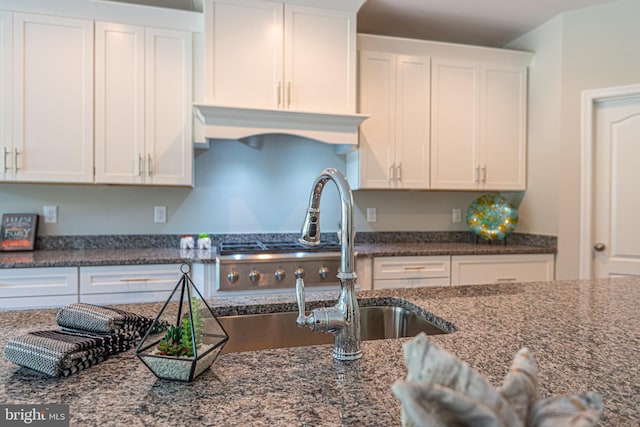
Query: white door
[
  {"x": 412, "y": 122},
  {"x": 455, "y": 90},
  {"x": 319, "y": 60},
  {"x": 244, "y": 43},
  {"x": 52, "y": 99},
  {"x": 377, "y": 98},
  {"x": 168, "y": 141},
  {"x": 119, "y": 106},
  {"x": 616, "y": 199}
]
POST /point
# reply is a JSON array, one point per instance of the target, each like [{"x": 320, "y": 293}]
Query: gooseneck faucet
[{"x": 343, "y": 319}]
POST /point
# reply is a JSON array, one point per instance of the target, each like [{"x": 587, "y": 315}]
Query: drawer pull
[
  {"x": 506, "y": 279},
  {"x": 415, "y": 268},
  {"x": 135, "y": 280}
]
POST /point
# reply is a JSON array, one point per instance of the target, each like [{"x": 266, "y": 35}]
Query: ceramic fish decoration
[{"x": 442, "y": 391}]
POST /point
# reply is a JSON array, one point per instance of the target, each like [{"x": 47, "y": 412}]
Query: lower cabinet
[
  {"x": 411, "y": 271},
  {"x": 483, "y": 269},
  {"x": 38, "y": 287},
  {"x": 128, "y": 284}
]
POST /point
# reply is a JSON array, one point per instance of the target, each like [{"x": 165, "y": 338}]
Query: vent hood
[{"x": 225, "y": 122}]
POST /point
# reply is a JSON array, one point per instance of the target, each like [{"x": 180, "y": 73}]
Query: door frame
[{"x": 587, "y": 147}]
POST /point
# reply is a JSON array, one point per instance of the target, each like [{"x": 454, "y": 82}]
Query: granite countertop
[
  {"x": 132, "y": 256},
  {"x": 584, "y": 336}
]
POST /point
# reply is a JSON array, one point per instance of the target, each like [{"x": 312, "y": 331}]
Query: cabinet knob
[
  {"x": 233, "y": 276},
  {"x": 254, "y": 275},
  {"x": 323, "y": 272},
  {"x": 599, "y": 247},
  {"x": 280, "y": 274}
]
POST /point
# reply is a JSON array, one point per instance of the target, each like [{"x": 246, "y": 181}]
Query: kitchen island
[{"x": 584, "y": 336}]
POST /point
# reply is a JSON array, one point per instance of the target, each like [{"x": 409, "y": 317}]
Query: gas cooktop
[{"x": 257, "y": 247}]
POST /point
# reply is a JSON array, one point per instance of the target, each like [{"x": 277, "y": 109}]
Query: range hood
[{"x": 228, "y": 122}]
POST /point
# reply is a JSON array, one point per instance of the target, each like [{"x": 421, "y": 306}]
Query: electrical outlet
[
  {"x": 160, "y": 214},
  {"x": 372, "y": 214},
  {"x": 50, "y": 214},
  {"x": 456, "y": 215}
]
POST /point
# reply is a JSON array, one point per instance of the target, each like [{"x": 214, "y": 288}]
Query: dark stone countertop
[
  {"x": 584, "y": 336},
  {"x": 132, "y": 256}
]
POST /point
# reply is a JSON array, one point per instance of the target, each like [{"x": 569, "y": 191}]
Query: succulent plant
[
  {"x": 170, "y": 345},
  {"x": 177, "y": 340}
]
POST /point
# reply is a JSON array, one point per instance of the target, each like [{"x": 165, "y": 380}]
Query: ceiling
[{"x": 479, "y": 22}]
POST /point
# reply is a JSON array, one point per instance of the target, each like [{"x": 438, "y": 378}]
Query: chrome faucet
[{"x": 343, "y": 319}]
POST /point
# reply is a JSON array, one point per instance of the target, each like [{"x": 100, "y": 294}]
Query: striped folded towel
[
  {"x": 89, "y": 334},
  {"x": 61, "y": 353},
  {"x": 84, "y": 317}
]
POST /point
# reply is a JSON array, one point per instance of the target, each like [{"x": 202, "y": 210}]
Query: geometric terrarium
[{"x": 185, "y": 338}]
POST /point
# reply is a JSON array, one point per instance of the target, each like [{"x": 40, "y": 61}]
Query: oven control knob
[
  {"x": 254, "y": 276},
  {"x": 299, "y": 272},
  {"x": 280, "y": 274},
  {"x": 233, "y": 276},
  {"x": 323, "y": 272}
]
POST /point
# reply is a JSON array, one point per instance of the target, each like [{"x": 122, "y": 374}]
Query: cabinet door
[
  {"x": 5, "y": 96},
  {"x": 411, "y": 271},
  {"x": 120, "y": 118},
  {"x": 128, "y": 284},
  {"x": 320, "y": 55},
  {"x": 454, "y": 125},
  {"x": 243, "y": 53},
  {"x": 377, "y": 133},
  {"x": 412, "y": 122},
  {"x": 504, "y": 127},
  {"x": 168, "y": 107},
  {"x": 38, "y": 287},
  {"x": 483, "y": 269},
  {"x": 53, "y": 98}
]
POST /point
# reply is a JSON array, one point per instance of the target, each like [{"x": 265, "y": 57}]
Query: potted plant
[{"x": 190, "y": 343}]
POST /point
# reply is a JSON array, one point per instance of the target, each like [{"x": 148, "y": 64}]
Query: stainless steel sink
[{"x": 250, "y": 332}]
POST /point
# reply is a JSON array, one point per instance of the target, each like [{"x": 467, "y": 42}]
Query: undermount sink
[{"x": 251, "y": 332}]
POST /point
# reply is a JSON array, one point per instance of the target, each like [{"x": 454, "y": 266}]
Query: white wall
[
  {"x": 238, "y": 189},
  {"x": 594, "y": 47}
]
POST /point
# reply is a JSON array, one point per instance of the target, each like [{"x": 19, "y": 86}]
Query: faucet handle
[{"x": 302, "y": 320}]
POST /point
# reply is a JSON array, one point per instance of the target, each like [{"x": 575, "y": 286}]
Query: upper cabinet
[
  {"x": 478, "y": 130},
  {"x": 275, "y": 55},
  {"x": 394, "y": 141},
  {"x": 280, "y": 67},
  {"x": 112, "y": 107},
  {"x": 6, "y": 143},
  {"x": 143, "y": 105},
  {"x": 51, "y": 114},
  {"x": 443, "y": 116}
]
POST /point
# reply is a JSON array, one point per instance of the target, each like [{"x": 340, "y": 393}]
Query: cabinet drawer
[
  {"x": 482, "y": 269},
  {"x": 417, "y": 282},
  {"x": 130, "y": 278},
  {"x": 38, "y": 287},
  {"x": 411, "y": 267}
]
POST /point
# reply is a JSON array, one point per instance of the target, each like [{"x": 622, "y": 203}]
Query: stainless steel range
[{"x": 244, "y": 266}]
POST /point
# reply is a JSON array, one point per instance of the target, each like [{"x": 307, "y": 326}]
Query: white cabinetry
[
  {"x": 463, "y": 128},
  {"x": 128, "y": 284},
  {"x": 482, "y": 269},
  {"x": 6, "y": 142},
  {"x": 478, "y": 128},
  {"x": 51, "y": 139},
  {"x": 143, "y": 105},
  {"x": 411, "y": 271},
  {"x": 394, "y": 141},
  {"x": 275, "y": 55},
  {"x": 38, "y": 287}
]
